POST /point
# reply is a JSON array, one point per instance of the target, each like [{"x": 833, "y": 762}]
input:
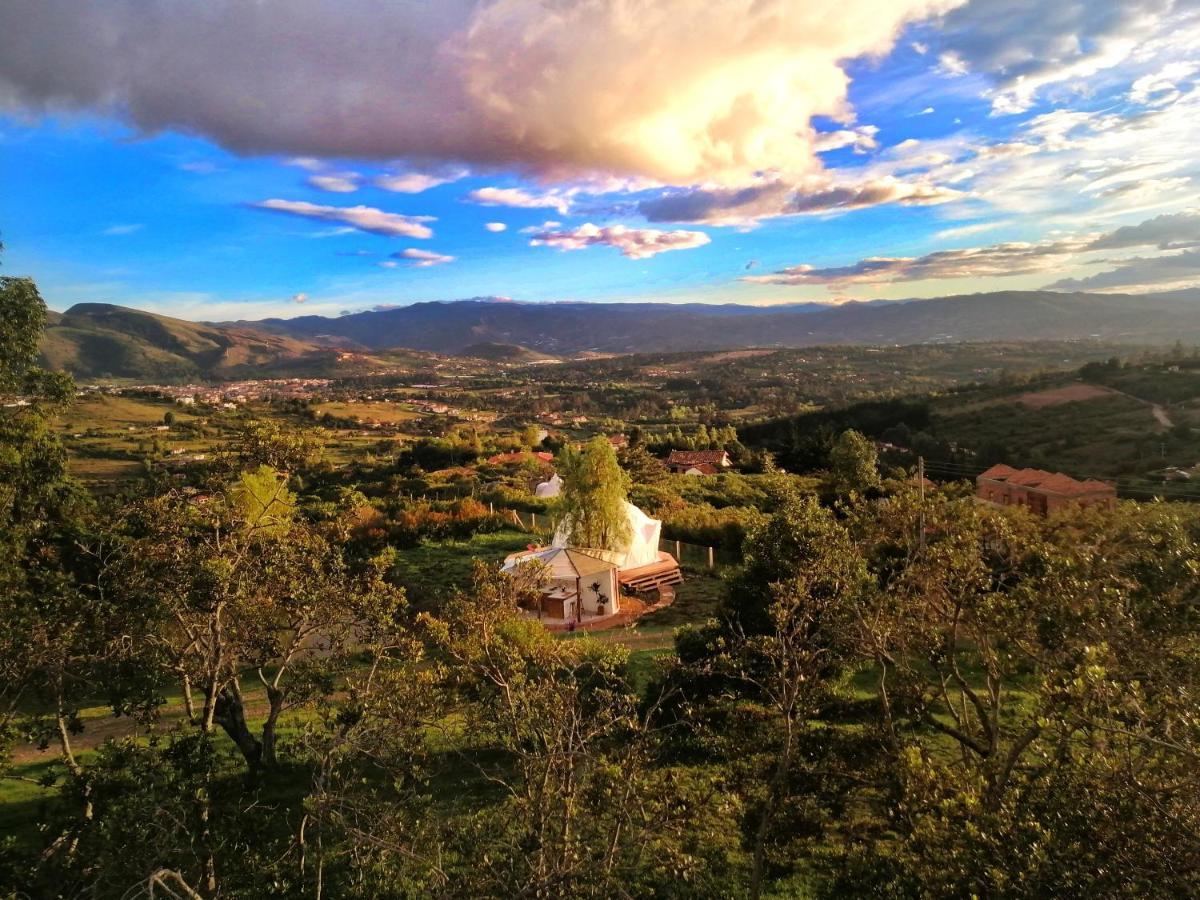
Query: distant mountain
[
  {"x": 571, "y": 328},
  {"x": 94, "y": 340}
]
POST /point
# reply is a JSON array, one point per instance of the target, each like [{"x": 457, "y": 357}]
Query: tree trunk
[
  {"x": 230, "y": 714},
  {"x": 269, "y": 734}
]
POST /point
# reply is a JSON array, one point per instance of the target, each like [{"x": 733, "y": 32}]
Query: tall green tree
[
  {"x": 853, "y": 464},
  {"x": 592, "y": 503}
]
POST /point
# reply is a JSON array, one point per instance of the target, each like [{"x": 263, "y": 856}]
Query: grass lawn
[{"x": 431, "y": 571}]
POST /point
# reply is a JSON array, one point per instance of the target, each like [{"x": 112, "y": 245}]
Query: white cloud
[
  {"x": 300, "y": 298},
  {"x": 495, "y": 227},
  {"x": 423, "y": 259},
  {"x": 363, "y": 218},
  {"x": 1029, "y": 46},
  {"x": 635, "y": 243},
  {"x": 679, "y": 91},
  {"x": 961, "y": 231},
  {"x": 560, "y": 201},
  {"x": 1164, "y": 87},
  {"x": 861, "y": 138},
  {"x": 121, "y": 230},
  {"x": 336, "y": 182},
  {"x": 416, "y": 182}
]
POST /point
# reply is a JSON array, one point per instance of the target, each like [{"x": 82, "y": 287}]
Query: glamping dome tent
[
  {"x": 551, "y": 488},
  {"x": 642, "y": 548}
]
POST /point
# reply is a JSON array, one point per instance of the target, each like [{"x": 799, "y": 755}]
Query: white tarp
[{"x": 642, "y": 549}]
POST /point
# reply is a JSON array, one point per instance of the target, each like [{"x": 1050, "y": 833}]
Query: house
[
  {"x": 618, "y": 441},
  {"x": 1041, "y": 492},
  {"x": 681, "y": 461}
]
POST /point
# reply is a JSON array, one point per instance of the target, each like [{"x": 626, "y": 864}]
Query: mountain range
[{"x": 94, "y": 339}]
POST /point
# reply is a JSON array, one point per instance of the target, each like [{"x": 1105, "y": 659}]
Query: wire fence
[{"x": 696, "y": 556}]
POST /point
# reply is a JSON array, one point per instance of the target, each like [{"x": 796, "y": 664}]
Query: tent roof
[{"x": 567, "y": 562}]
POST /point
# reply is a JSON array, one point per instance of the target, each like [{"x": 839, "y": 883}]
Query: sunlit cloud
[
  {"x": 417, "y": 182},
  {"x": 423, "y": 259},
  {"x": 361, "y": 218},
  {"x": 1168, "y": 232},
  {"x": 635, "y": 243},
  {"x": 522, "y": 199}
]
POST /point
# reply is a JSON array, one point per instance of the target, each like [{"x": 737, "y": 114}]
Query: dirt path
[{"x": 1159, "y": 413}]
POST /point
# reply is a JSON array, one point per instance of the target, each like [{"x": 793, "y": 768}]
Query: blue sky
[{"x": 905, "y": 149}]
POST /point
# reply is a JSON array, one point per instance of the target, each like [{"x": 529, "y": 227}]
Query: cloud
[
  {"x": 199, "y": 167},
  {"x": 679, "y": 91},
  {"x": 959, "y": 231},
  {"x": 1166, "y": 232},
  {"x": 861, "y": 139},
  {"x": 635, "y": 243},
  {"x": 1015, "y": 258},
  {"x": 1174, "y": 270},
  {"x": 977, "y": 262},
  {"x": 423, "y": 259},
  {"x": 495, "y": 227},
  {"x": 337, "y": 182},
  {"x": 120, "y": 230},
  {"x": 300, "y": 298},
  {"x": 1027, "y": 46},
  {"x": 559, "y": 201},
  {"x": 731, "y": 206},
  {"x": 416, "y": 182},
  {"x": 362, "y": 218}
]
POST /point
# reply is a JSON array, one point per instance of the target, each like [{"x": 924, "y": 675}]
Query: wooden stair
[{"x": 645, "y": 579}]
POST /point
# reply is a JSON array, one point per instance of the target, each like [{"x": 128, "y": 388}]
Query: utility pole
[{"x": 921, "y": 488}]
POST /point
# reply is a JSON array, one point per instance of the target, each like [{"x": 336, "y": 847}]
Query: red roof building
[
  {"x": 1041, "y": 492},
  {"x": 520, "y": 456},
  {"x": 680, "y": 461}
]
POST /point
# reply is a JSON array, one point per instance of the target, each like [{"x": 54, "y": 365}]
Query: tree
[
  {"x": 557, "y": 794},
  {"x": 642, "y": 467},
  {"x": 853, "y": 464},
  {"x": 247, "y": 589},
  {"x": 592, "y": 503},
  {"x": 1031, "y": 684}
]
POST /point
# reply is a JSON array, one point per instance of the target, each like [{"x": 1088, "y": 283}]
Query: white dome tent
[
  {"x": 642, "y": 549},
  {"x": 551, "y": 488}
]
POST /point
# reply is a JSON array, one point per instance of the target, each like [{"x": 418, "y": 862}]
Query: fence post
[
  {"x": 678, "y": 551},
  {"x": 710, "y": 557},
  {"x": 533, "y": 521},
  {"x": 491, "y": 508}
]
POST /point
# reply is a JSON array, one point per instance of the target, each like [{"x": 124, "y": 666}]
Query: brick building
[
  {"x": 698, "y": 462},
  {"x": 1042, "y": 492}
]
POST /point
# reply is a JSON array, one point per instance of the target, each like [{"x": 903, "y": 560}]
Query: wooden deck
[{"x": 648, "y": 578}]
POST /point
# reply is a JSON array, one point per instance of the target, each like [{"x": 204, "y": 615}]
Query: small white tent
[
  {"x": 642, "y": 549},
  {"x": 582, "y": 581},
  {"x": 550, "y": 488}
]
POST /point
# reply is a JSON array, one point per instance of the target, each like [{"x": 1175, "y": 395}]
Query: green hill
[
  {"x": 494, "y": 351},
  {"x": 92, "y": 340}
]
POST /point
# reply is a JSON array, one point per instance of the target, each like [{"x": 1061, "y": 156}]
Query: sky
[{"x": 235, "y": 159}]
